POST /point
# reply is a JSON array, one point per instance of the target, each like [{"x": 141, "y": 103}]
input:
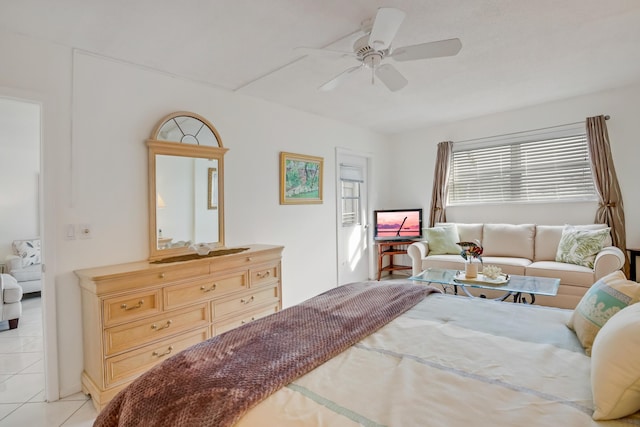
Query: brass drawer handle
[
  {"x": 265, "y": 274},
  {"x": 246, "y": 301},
  {"x": 133, "y": 307},
  {"x": 244, "y": 321},
  {"x": 249, "y": 259},
  {"x": 159, "y": 328},
  {"x": 203, "y": 288},
  {"x": 161, "y": 275},
  {"x": 169, "y": 350}
]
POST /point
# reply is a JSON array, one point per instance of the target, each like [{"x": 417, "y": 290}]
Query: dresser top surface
[{"x": 113, "y": 271}]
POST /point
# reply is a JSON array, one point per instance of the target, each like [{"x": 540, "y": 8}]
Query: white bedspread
[{"x": 449, "y": 361}]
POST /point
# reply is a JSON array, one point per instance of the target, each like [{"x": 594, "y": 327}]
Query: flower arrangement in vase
[{"x": 471, "y": 251}]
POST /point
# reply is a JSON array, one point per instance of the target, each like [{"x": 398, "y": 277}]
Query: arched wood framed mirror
[{"x": 186, "y": 185}]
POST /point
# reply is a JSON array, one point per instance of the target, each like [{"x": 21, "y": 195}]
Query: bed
[{"x": 388, "y": 353}]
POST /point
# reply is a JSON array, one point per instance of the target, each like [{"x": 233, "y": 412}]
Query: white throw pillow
[{"x": 615, "y": 366}]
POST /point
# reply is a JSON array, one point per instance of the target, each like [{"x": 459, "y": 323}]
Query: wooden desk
[
  {"x": 633, "y": 253},
  {"x": 391, "y": 248}
]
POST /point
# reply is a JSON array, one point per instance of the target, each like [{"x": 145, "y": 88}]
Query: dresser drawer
[
  {"x": 126, "y": 308},
  {"x": 222, "y": 327},
  {"x": 141, "y": 332},
  {"x": 205, "y": 289},
  {"x": 246, "y": 301},
  {"x": 163, "y": 274},
  {"x": 264, "y": 274},
  {"x": 127, "y": 366},
  {"x": 244, "y": 259}
]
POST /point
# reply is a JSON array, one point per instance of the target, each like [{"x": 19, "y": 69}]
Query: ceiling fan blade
[
  {"x": 385, "y": 27},
  {"x": 437, "y": 49},
  {"x": 323, "y": 52},
  {"x": 339, "y": 79},
  {"x": 391, "y": 77}
]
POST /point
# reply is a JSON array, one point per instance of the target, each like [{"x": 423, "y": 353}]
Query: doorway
[
  {"x": 21, "y": 218},
  {"x": 352, "y": 217}
]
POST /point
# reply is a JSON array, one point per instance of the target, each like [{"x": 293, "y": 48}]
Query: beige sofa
[{"x": 527, "y": 250}]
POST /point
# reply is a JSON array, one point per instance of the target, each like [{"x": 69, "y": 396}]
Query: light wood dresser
[{"x": 137, "y": 314}]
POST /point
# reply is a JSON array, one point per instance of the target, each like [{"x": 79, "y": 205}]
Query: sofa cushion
[
  {"x": 32, "y": 272},
  {"x": 450, "y": 262},
  {"x": 548, "y": 238},
  {"x": 580, "y": 246},
  {"x": 569, "y": 274},
  {"x": 466, "y": 232},
  {"x": 508, "y": 240},
  {"x": 615, "y": 366},
  {"x": 442, "y": 240},
  {"x": 28, "y": 250},
  {"x": 605, "y": 298},
  {"x": 455, "y": 262}
]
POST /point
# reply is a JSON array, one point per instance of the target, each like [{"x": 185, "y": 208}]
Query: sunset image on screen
[{"x": 402, "y": 223}]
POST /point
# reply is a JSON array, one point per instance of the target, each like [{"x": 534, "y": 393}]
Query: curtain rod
[{"x": 607, "y": 117}]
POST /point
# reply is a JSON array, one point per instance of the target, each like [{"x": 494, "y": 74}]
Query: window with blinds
[
  {"x": 350, "y": 179},
  {"x": 542, "y": 170}
]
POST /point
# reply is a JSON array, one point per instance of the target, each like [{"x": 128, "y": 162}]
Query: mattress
[{"x": 448, "y": 361}]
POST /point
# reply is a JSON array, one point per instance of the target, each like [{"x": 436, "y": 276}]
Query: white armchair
[
  {"x": 25, "y": 265},
  {"x": 10, "y": 300}
]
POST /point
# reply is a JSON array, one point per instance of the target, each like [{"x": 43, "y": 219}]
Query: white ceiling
[{"x": 515, "y": 52}]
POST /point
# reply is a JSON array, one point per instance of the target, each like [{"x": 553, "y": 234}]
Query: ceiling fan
[{"x": 375, "y": 46}]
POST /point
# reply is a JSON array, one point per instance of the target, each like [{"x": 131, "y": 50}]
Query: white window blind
[
  {"x": 350, "y": 179},
  {"x": 535, "y": 170}
]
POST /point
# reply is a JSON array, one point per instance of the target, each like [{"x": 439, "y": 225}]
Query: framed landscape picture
[{"x": 300, "y": 179}]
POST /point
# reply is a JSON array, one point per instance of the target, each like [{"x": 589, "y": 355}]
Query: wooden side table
[
  {"x": 391, "y": 248},
  {"x": 633, "y": 253}
]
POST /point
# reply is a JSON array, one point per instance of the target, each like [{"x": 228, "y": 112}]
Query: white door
[{"x": 353, "y": 217}]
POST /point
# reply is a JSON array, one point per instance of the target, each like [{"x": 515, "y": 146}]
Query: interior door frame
[
  {"x": 46, "y": 219},
  {"x": 367, "y": 157}
]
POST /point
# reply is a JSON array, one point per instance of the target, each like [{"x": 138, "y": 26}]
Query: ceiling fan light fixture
[
  {"x": 375, "y": 46},
  {"x": 372, "y": 60}
]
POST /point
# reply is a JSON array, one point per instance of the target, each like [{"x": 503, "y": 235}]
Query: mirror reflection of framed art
[{"x": 212, "y": 194}]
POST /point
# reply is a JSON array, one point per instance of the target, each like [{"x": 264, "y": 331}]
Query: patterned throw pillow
[
  {"x": 579, "y": 246},
  {"x": 605, "y": 298},
  {"x": 28, "y": 250},
  {"x": 442, "y": 240}
]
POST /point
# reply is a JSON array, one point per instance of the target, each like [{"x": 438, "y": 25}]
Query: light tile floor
[{"x": 22, "y": 401}]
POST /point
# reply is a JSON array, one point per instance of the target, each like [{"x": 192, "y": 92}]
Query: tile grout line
[{"x": 74, "y": 412}]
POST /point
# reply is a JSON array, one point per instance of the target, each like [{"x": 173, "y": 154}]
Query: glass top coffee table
[{"x": 512, "y": 285}]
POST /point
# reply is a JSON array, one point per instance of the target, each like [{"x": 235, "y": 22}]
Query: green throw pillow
[
  {"x": 580, "y": 247},
  {"x": 605, "y": 298},
  {"x": 442, "y": 240}
]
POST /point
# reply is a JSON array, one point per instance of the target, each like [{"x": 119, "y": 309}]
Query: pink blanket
[{"x": 215, "y": 382}]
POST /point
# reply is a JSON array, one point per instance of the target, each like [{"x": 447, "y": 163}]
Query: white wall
[
  {"x": 19, "y": 172},
  {"x": 414, "y": 172},
  {"x": 97, "y": 115}
]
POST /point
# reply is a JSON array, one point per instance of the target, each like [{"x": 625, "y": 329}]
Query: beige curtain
[
  {"x": 611, "y": 210},
  {"x": 440, "y": 181}
]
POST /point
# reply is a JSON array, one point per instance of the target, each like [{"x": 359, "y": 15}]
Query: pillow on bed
[
  {"x": 615, "y": 366},
  {"x": 442, "y": 240},
  {"x": 580, "y": 246},
  {"x": 605, "y": 298}
]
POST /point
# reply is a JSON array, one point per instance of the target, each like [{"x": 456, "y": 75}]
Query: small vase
[{"x": 470, "y": 270}]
